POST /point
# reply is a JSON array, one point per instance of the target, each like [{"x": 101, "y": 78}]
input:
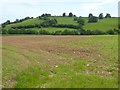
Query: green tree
[
  {"x": 17, "y": 20},
  {"x": 75, "y": 18},
  {"x": 70, "y": 14},
  {"x": 93, "y": 19},
  {"x": 64, "y": 14},
  {"x": 80, "y": 21},
  {"x": 90, "y": 15},
  {"x": 5, "y": 23},
  {"x": 108, "y": 15},
  {"x": 42, "y": 15},
  {"x": 101, "y": 16},
  {"x": 52, "y": 22}
]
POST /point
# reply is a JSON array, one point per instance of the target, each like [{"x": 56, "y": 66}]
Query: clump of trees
[
  {"x": 49, "y": 22},
  {"x": 108, "y": 15},
  {"x": 5, "y": 23},
  {"x": 101, "y": 16},
  {"x": 64, "y": 14},
  {"x": 70, "y": 14},
  {"x": 80, "y": 21},
  {"x": 47, "y": 15},
  {"x": 90, "y": 15},
  {"x": 92, "y": 18}
]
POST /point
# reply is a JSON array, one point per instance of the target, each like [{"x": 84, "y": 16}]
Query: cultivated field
[{"x": 60, "y": 61}]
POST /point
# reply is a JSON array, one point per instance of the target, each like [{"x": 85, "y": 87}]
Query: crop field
[{"x": 60, "y": 61}]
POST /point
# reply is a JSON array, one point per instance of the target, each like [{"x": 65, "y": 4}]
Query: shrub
[
  {"x": 57, "y": 33},
  {"x": 4, "y": 31},
  {"x": 98, "y": 32},
  {"x": 114, "y": 31},
  {"x": 67, "y": 26},
  {"x": 80, "y": 21},
  {"x": 44, "y": 32},
  {"x": 70, "y": 32},
  {"x": 92, "y": 19}
]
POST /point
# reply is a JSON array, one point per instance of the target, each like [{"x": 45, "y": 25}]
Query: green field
[
  {"x": 102, "y": 24},
  {"x": 60, "y": 61}
]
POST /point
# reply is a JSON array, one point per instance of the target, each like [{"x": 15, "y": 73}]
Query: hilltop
[{"x": 61, "y": 25}]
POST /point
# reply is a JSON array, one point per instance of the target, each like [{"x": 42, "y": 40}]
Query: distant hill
[{"x": 104, "y": 24}]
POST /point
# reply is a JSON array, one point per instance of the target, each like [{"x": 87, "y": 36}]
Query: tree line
[{"x": 65, "y": 32}]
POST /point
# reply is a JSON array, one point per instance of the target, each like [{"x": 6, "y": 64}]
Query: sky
[{"x": 17, "y": 9}]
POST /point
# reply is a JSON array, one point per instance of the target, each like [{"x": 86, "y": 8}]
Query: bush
[
  {"x": 93, "y": 19},
  {"x": 98, "y": 32},
  {"x": 44, "y": 32},
  {"x": 67, "y": 26},
  {"x": 113, "y": 32},
  {"x": 57, "y": 33},
  {"x": 70, "y": 32},
  {"x": 90, "y": 32},
  {"x": 80, "y": 21},
  {"x": 75, "y": 18}
]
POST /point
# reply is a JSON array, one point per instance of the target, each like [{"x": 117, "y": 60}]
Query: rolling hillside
[{"x": 102, "y": 24}]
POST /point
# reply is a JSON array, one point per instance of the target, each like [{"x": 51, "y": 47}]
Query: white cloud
[{"x": 91, "y": 7}]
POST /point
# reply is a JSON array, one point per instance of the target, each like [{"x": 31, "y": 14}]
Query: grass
[
  {"x": 65, "y": 76},
  {"x": 103, "y": 24},
  {"x": 26, "y": 23},
  {"x": 60, "y": 61},
  {"x": 66, "y": 20}
]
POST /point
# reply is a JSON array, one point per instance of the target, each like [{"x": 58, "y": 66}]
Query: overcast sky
[{"x": 16, "y": 9}]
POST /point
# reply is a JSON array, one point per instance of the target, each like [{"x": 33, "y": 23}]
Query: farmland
[{"x": 60, "y": 61}]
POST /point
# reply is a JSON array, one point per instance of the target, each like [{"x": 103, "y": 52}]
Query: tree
[
  {"x": 8, "y": 22},
  {"x": 70, "y": 14},
  {"x": 5, "y": 23},
  {"x": 101, "y": 16},
  {"x": 74, "y": 15},
  {"x": 64, "y": 14},
  {"x": 45, "y": 18},
  {"x": 75, "y": 18},
  {"x": 17, "y": 20},
  {"x": 48, "y": 15},
  {"x": 27, "y": 18},
  {"x": 93, "y": 19},
  {"x": 80, "y": 21},
  {"x": 108, "y": 15},
  {"x": 39, "y": 17},
  {"x": 90, "y": 15},
  {"x": 49, "y": 22},
  {"x": 42, "y": 15},
  {"x": 52, "y": 22}
]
